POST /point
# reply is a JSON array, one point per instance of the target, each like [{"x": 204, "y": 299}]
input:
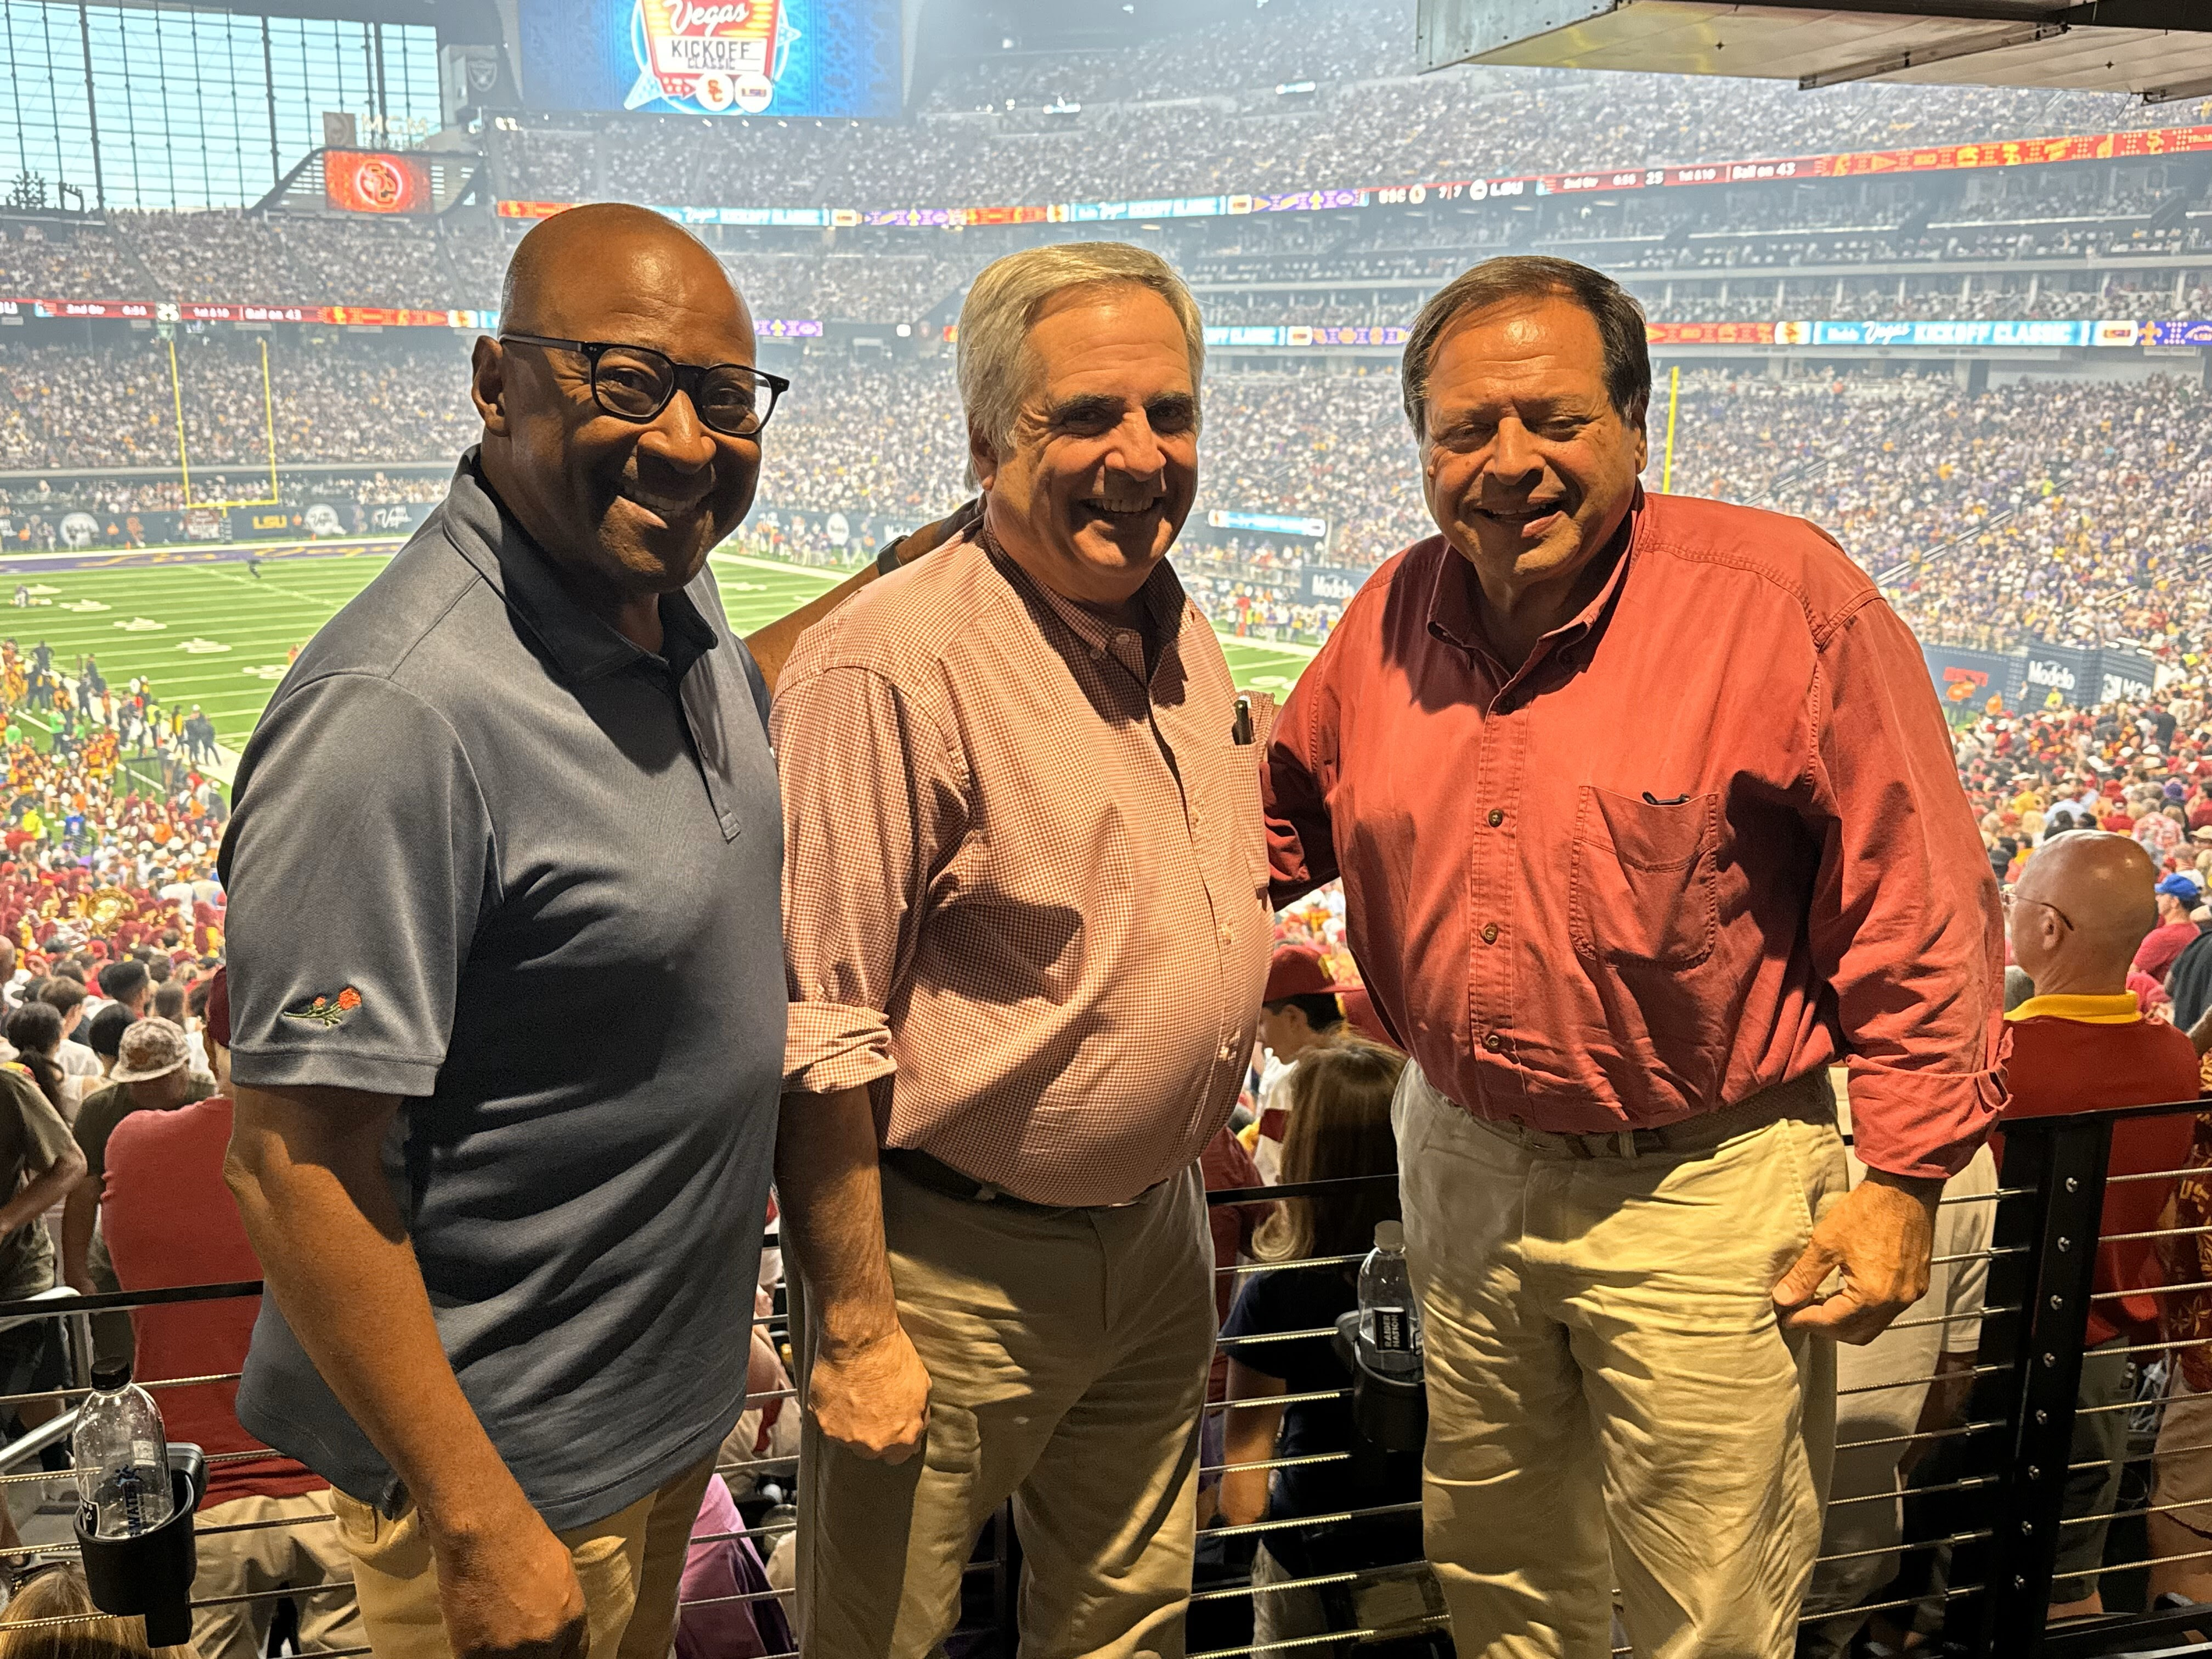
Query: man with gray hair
[
  {"x": 1623, "y": 951},
  {"x": 1026, "y": 906}
]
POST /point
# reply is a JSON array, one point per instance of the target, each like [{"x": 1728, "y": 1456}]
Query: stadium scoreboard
[{"x": 714, "y": 58}]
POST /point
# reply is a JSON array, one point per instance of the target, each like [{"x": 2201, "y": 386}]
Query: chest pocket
[{"x": 1643, "y": 879}]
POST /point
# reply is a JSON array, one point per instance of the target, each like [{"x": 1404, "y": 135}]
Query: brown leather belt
[{"x": 942, "y": 1178}]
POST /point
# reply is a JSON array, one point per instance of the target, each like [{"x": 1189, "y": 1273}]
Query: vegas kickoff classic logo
[{"x": 707, "y": 57}]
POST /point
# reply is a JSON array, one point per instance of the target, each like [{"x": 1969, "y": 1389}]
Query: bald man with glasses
[{"x": 507, "y": 983}]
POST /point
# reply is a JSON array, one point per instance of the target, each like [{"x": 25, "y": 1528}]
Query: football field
[{"x": 208, "y": 632}]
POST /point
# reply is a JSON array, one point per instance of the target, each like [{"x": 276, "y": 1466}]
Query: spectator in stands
[
  {"x": 128, "y": 983},
  {"x": 1298, "y": 1012},
  {"x": 103, "y": 1035},
  {"x": 167, "y": 1219},
  {"x": 1623, "y": 968},
  {"x": 1340, "y": 1131},
  {"x": 66, "y": 997},
  {"x": 56, "y": 1589},
  {"x": 35, "y": 1031},
  {"x": 2075, "y": 919},
  {"x": 152, "y": 1073},
  {"x": 39, "y": 1165},
  {"x": 1011, "y": 1260},
  {"x": 435, "y": 830},
  {"x": 2178, "y": 895}
]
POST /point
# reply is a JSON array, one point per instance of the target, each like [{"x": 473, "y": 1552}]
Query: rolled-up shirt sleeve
[
  {"x": 1904, "y": 924},
  {"x": 872, "y": 804}
]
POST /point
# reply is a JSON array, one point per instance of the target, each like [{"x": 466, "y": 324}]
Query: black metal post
[{"x": 2064, "y": 1160}]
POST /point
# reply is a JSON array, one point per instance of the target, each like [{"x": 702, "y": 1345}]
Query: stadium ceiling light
[
  {"x": 2178, "y": 90},
  {"x": 1898, "y": 62}
]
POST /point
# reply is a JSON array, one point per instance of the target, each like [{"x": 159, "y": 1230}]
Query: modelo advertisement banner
[
  {"x": 1328, "y": 584},
  {"x": 73, "y": 529},
  {"x": 2061, "y": 675},
  {"x": 716, "y": 59},
  {"x": 2122, "y": 674}
]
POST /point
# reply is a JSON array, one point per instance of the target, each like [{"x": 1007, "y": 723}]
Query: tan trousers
[
  {"x": 630, "y": 1566},
  {"x": 1612, "y": 1399},
  {"x": 1067, "y": 1356},
  {"x": 268, "y": 1558}
]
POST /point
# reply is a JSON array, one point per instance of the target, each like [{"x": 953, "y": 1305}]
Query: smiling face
[
  {"x": 627, "y": 510},
  {"x": 1528, "y": 466},
  {"x": 1103, "y": 464}
]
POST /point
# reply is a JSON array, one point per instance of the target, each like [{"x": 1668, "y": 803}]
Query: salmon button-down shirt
[
  {"x": 1025, "y": 877},
  {"x": 1709, "y": 837}
]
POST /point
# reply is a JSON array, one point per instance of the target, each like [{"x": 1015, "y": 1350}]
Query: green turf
[{"x": 207, "y": 633}]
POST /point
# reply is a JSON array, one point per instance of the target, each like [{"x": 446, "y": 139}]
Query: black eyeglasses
[{"x": 635, "y": 383}]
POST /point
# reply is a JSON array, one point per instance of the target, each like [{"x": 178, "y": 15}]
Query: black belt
[{"x": 942, "y": 1178}]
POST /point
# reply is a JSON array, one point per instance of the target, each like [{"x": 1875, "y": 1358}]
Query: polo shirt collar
[
  {"x": 2121, "y": 1009},
  {"x": 1456, "y": 618},
  {"x": 582, "y": 646}
]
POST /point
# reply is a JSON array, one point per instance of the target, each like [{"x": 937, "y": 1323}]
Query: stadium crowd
[{"x": 1345, "y": 131}]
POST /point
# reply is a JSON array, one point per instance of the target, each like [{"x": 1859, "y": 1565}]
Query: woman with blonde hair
[
  {"x": 1339, "y": 1133},
  {"x": 59, "y": 1592}
]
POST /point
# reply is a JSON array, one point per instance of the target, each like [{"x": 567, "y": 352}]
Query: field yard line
[{"x": 263, "y": 585}]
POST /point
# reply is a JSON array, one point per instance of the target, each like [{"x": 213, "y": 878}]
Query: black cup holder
[{"x": 152, "y": 1574}]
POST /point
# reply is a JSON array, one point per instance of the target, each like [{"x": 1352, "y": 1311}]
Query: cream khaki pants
[
  {"x": 1067, "y": 1355},
  {"x": 268, "y": 1557},
  {"x": 630, "y": 1566},
  {"x": 1612, "y": 1399}
]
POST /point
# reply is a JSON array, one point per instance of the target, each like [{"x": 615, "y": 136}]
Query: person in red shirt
[
  {"x": 2079, "y": 1044},
  {"x": 168, "y": 1219},
  {"x": 1646, "y": 812},
  {"x": 2174, "y": 933}
]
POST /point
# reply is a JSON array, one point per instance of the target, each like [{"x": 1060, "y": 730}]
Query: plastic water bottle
[
  {"x": 122, "y": 1455},
  {"x": 1389, "y": 1313}
]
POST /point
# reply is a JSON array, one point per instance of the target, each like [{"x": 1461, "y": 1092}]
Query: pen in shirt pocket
[{"x": 1241, "y": 732}]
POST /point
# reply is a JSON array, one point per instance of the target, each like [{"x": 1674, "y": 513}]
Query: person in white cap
[{"x": 153, "y": 1073}]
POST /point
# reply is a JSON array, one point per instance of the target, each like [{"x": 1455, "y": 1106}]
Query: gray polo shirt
[{"x": 489, "y": 856}]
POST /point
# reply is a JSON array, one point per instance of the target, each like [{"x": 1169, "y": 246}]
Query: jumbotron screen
[{"x": 710, "y": 58}]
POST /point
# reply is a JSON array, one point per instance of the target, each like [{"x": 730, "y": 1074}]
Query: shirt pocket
[{"x": 1642, "y": 888}]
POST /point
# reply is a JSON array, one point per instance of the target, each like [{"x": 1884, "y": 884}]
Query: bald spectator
[
  {"x": 2075, "y": 918},
  {"x": 437, "y": 826}
]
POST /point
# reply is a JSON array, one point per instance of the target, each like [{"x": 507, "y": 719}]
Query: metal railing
[{"x": 1999, "y": 1489}]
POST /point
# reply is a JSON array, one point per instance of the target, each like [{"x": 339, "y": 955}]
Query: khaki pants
[
  {"x": 1067, "y": 1356},
  {"x": 630, "y": 1566},
  {"x": 1612, "y": 1399},
  {"x": 268, "y": 1558}
]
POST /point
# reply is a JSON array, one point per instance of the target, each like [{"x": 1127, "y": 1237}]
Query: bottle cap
[
  {"x": 109, "y": 1375},
  {"x": 1390, "y": 1235}
]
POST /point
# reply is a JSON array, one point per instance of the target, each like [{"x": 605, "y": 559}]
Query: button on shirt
[
  {"x": 1714, "y": 822},
  {"x": 491, "y": 857},
  {"x": 1025, "y": 874}
]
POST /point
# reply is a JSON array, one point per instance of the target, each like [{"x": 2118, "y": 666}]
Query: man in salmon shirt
[{"x": 2076, "y": 916}]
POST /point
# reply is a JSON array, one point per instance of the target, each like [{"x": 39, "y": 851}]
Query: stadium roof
[{"x": 2161, "y": 49}]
